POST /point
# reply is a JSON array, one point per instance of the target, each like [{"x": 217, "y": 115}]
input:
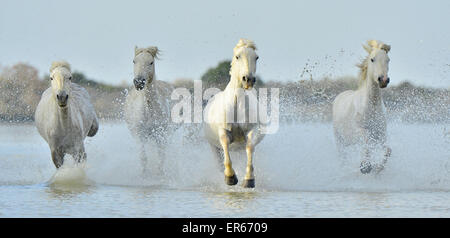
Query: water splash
[{"x": 300, "y": 157}]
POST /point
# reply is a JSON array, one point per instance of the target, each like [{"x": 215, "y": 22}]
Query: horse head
[
  {"x": 378, "y": 65},
  {"x": 243, "y": 65},
  {"x": 60, "y": 78},
  {"x": 144, "y": 65}
]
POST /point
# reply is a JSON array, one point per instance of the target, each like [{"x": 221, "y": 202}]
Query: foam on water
[
  {"x": 299, "y": 157},
  {"x": 70, "y": 174}
]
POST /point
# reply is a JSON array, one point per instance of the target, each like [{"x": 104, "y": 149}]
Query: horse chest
[
  {"x": 65, "y": 137},
  {"x": 237, "y": 134}
]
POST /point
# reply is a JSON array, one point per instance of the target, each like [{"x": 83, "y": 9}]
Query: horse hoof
[
  {"x": 365, "y": 167},
  {"x": 231, "y": 180},
  {"x": 249, "y": 183}
]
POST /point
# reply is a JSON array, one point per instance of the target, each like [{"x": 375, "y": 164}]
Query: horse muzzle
[
  {"x": 139, "y": 83},
  {"x": 62, "y": 98},
  {"x": 248, "y": 82},
  {"x": 383, "y": 81}
]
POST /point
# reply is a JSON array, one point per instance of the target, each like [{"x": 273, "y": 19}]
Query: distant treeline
[{"x": 310, "y": 100}]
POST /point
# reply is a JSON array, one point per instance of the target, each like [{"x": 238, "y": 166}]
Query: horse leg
[
  {"x": 143, "y": 157},
  {"x": 388, "y": 151},
  {"x": 230, "y": 175},
  {"x": 249, "y": 181},
  {"x": 218, "y": 153},
  {"x": 161, "y": 144},
  {"x": 366, "y": 167},
  {"x": 81, "y": 156},
  {"x": 57, "y": 157}
]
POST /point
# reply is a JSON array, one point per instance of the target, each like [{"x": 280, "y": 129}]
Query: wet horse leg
[
  {"x": 249, "y": 181},
  {"x": 230, "y": 175},
  {"x": 366, "y": 166},
  {"x": 80, "y": 157},
  {"x": 218, "y": 153},
  {"x": 161, "y": 143},
  {"x": 379, "y": 167},
  {"x": 57, "y": 157},
  {"x": 143, "y": 155}
]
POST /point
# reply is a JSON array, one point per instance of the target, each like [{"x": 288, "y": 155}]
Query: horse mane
[
  {"x": 153, "y": 50},
  {"x": 363, "y": 70},
  {"x": 56, "y": 64},
  {"x": 371, "y": 46},
  {"x": 244, "y": 43}
]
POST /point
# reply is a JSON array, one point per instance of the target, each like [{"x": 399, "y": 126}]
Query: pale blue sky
[{"x": 98, "y": 37}]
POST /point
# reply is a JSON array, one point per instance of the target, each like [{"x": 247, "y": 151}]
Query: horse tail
[{"x": 94, "y": 128}]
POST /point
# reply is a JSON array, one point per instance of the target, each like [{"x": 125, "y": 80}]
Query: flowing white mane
[
  {"x": 153, "y": 50},
  {"x": 57, "y": 64}
]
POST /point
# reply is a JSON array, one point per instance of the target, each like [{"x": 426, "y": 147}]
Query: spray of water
[{"x": 299, "y": 157}]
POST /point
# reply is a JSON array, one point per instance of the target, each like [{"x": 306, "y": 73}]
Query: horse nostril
[
  {"x": 67, "y": 97},
  {"x": 387, "y": 80},
  {"x": 244, "y": 78},
  {"x": 380, "y": 78}
]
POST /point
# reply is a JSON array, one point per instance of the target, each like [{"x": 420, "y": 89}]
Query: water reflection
[
  {"x": 68, "y": 191},
  {"x": 369, "y": 204},
  {"x": 234, "y": 200}
]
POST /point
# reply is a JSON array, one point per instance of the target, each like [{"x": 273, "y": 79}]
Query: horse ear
[
  {"x": 371, "y": 44},
  {"x": 386, "y": 48},
  {"x": 367, "y": 48}
]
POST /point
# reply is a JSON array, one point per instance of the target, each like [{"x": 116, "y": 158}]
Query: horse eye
[
  {"x": 372, "y": 60},
  {"x": 70, "y": 78},
  {"x": 151, "y": 63},
  {"x": 257, "y": 57},
  {"x": 51, "y": 78},
  {"x": 237, "y": 57},
  {"x": 134, "y": 62}
]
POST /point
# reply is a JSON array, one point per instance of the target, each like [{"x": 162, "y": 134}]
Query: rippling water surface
[{"x": 298, "y": 174}]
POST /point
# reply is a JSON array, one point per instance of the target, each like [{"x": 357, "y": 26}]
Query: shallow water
[{"x": 298, "y": 174}]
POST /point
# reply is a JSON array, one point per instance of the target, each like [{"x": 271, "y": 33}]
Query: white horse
[
  {"x": 147, "y": 106},
  {"x": 359, "y": 116},
  {"x": 65, "y": 115},
  {"x": 221, "y": 131}
]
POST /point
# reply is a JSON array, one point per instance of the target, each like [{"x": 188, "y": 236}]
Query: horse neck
[
  {"x": 371, "y": 94},
  {"x": 149, "y": 88},
  {"x": 233, "y": 84},
  {"x": 63, "y": 115},
  {"x": 150, "y": 94}
]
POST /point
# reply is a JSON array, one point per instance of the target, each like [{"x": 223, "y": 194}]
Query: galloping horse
[
  {"x": 147, "y": 106},
  {"x": 359, "y": 116},
  {"x": 65, "y": 115},
  {"x": 221, "y": 130}
]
